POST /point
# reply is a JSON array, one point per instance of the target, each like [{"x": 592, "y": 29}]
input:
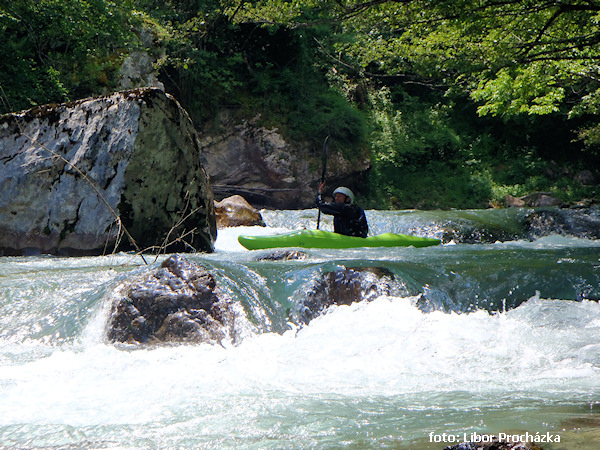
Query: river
[{"x": 482, "y": 338}]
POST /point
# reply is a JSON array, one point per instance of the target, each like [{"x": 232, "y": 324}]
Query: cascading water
[{"x": 497, "y": 336}]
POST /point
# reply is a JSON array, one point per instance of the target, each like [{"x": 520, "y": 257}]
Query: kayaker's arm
[{"x": 333, "y": 209}]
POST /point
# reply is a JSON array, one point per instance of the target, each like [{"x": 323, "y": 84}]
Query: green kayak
[{"x": 327, "y": 239}]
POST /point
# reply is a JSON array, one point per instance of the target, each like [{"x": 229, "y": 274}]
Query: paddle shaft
[{"x": 324, "y": 160}]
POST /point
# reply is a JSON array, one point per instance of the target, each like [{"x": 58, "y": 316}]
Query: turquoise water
[{"x": 487, "y": 338}]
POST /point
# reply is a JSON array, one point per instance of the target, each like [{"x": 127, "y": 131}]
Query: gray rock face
[
  {"x": 74, "y": 176},
  {"x": 268, "y": 171}
]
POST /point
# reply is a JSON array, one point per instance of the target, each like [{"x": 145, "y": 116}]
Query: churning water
[{"x": 484, "y": 338}]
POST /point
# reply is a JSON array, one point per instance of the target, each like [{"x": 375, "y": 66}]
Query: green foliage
[
  {"x": 460, "y": 102},
  {"x": 411, "y": 132},
  {"x": 520, "y": 90},
  {"x": 515, "y": 57},
  {"x": 419, "y": 153},
  {"x": 56, "y": 50}
]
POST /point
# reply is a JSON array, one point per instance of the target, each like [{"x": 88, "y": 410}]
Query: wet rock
[
  {"x": 235, "y": 211},
  {"x": 178, "y": 303},
  {"x": 73, "y": 175},
  {"x": 283, "y": 255},
  {"x": 584, "y": 203},
  {"x": 472, "y": 233},
  {"x": 344, "y": 286},
  {"x": 495, "y": 444},
  {"x": 581, "y": 222}
]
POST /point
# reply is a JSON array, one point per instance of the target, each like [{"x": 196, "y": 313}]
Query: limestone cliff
[{"x": 74, "y": 177}]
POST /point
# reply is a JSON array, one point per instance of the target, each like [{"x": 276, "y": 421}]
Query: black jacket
[{"x": 348, "y": 218}]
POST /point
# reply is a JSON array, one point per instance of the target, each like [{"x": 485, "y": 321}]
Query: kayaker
[{"x": 348, "y": 218}]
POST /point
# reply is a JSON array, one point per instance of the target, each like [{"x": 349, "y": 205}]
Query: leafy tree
[
  {"x": 57, "y": 50},
  {"x": 513, "y": 57},
  {"x": 431, "y": 67},
  {"x": 457, "y": 100}
]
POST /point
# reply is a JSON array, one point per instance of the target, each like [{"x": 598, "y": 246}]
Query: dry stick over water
[{"x": 166, "y": 243}]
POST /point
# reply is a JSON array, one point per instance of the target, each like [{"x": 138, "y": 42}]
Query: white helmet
[{"x": 347, "y": 192}]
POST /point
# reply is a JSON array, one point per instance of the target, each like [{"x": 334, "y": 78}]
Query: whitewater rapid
[{"x": 385, "y": 373}]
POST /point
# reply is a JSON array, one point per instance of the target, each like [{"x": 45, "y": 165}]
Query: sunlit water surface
[{"x": 487, "y": 338}]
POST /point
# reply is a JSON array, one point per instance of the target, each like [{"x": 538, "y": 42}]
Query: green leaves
[
  {"x": 56, "y": 50},
  {"x": 532, "y": 89}
]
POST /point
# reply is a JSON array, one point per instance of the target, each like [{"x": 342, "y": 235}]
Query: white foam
[
  {"x": 385, "y": 347},
  {"x": 227, "y": 237}
]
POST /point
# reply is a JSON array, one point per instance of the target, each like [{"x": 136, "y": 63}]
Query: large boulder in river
[
  {"x": 178, "y": 303},
  {"x": 344, "y": 286},
  {"x": 75, "y": 176}
]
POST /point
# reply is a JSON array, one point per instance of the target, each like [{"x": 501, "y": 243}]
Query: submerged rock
[
  {"x": 235, "y": 211},
  {"x": 178, "y": 303},
  {"x": 462, "y": 233},
  {"x": 580, "y": 223},
  {"x": 283, "y": 255},
  {"x": 74, "y": 176},
  {"x": 344, "y": 286}
]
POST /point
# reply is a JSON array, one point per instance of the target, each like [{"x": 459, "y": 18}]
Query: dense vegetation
[{"x": 459, "y": 102}]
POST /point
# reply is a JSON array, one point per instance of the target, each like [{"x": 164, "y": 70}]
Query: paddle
[{"x": 324, "y": 161}]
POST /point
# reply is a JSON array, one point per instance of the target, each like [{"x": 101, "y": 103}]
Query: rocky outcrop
[
  {"x": 536, "y": 199},
  {"x": 74, "y": 177},
  {"x": 270, "y": 172},
  {"x": 178, "y": 303},
  {"x": 344, "y": 286},
  {"x": 235, "y": 211}
]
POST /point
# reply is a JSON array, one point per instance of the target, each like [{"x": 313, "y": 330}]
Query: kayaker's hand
[{"x": 321, "y": 187}]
